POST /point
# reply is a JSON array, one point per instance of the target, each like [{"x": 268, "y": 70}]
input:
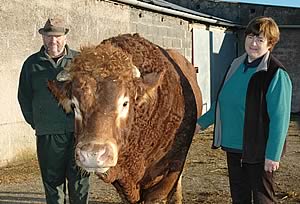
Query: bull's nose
[
  {"x": 94, "y": 155},
  {"x": 92, "y": 159}
]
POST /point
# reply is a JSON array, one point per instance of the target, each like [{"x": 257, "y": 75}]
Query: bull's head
[{"x": 102, "y": 87}]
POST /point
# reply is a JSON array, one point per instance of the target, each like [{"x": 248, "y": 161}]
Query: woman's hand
[
  {"x": 271, "y": 166},
  {"x": 197, "y": 129}
]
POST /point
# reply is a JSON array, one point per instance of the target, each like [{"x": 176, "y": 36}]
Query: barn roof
[
  {"x": 173, "y": 9},
  {"x": 274, "y": 3}
]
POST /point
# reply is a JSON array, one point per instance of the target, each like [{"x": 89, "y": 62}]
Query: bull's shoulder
[{"x": 186, "y": 67}]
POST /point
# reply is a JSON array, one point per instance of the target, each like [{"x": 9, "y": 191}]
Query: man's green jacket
[{"x": 39, "y": 107}]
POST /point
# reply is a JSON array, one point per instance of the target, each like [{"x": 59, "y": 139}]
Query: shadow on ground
[
  {"x": 21, "y": 197},
  {"x": 10, "y": 197}
]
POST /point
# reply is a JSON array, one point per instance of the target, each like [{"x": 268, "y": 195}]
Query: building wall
[
  {"x": 288, "y": 19},
  {"x": 90, "y": 22},
  {"x": 241, "y": 12},
  {"x": 287, "y": 51}
]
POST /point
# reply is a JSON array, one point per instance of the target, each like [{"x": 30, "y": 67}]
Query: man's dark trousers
[{"x": 57, "y": 164}]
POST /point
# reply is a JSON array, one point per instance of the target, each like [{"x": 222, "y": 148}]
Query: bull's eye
[
  {"x": 123, "y": 106},
  {"x": 125, "y": 103}
]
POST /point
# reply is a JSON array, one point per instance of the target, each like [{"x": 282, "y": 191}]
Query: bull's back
[
  {"x": 192, "y": 103},
  {"x": 189, "y": 72}
]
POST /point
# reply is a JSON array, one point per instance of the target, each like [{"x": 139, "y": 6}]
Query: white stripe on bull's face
[
  {"x": 78, "y": 115},
  {"x": 122, "y": 108}
]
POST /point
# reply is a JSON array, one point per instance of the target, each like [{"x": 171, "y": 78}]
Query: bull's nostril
[
  {"x": 80, "y": 155},
  {"x": 102, "y": 151}
]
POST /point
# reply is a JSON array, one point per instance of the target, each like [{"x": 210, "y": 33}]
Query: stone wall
[
  {"x": 287, "y": 51},
  {"x": 241, "y": 12}
]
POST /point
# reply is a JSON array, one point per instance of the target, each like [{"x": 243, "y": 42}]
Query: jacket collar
[
  {"x": 263, "y": 65},
  {"x": 43, "y": 55}
]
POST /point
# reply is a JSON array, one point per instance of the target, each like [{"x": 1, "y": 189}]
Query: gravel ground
[{"x": 205, "y": 177}]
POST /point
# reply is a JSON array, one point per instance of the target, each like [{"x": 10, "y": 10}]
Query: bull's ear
[
  {"x": 148, "y": 86},
  {"x": 151, "y": 80},
  {"x": 62, "y": 92}
]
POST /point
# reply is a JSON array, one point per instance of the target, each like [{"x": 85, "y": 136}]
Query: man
[{"x": 53, "y": 127}]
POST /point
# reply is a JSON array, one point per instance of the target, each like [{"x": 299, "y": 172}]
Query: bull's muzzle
[{"x": 96, "y": 157}]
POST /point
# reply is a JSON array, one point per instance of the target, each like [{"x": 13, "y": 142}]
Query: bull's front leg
[
  {"x": 128, "y": 173},
  {"x": 168, "y": 190},
  {"x": 129, "y": 191}
]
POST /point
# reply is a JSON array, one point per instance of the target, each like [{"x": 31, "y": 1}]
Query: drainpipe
[
  {"x": 289, "y": 26},
  {"x": 176, "y": 13}
]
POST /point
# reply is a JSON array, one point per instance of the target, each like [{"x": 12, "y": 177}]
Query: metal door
[{"x": 213, "y": 52}]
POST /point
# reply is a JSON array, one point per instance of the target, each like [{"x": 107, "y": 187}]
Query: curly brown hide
[
  {"x": 101, "y": 62},
  {"x": 163, "y": 116},
  {"x": 145, "y": 55},
  {"x": 155, "y": 123}
]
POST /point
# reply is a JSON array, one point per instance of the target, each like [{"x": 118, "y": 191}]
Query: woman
[{"x": 251, "y": 115}]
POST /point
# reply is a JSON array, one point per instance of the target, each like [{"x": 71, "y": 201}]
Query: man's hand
[{"x": 270, "y": 165}]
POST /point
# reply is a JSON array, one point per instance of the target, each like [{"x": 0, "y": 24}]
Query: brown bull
[{"x": 135, "y": 108}]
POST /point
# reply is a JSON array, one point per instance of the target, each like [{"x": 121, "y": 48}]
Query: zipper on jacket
[{"x": 241, "y": 162}]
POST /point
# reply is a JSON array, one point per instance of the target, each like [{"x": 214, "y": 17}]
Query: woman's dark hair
[{"x": 265, "y": 25}]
